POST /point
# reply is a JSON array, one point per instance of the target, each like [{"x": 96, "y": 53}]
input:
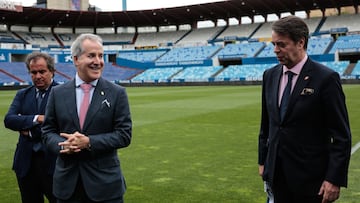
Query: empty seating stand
[
  {"x": 196, "y": 74},
  {"x": 249, "y": 72},
  {"x": 156, "y": 75}
]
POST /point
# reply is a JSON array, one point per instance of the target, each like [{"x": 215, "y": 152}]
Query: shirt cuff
[{"x": 35, "y": 120}]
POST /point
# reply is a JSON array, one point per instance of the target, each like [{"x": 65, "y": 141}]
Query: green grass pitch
[{"x": 190, "y": 144}]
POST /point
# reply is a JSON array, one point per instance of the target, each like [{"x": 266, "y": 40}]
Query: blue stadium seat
[
  {"x": 338, "y": 66},
  {"x": 241, "y": 50},
  {"x": 156, "y": 74},
  {"x": 17, "y": 69},
  {"x": 196, "y": 73},
  {"x": 349, "y": 43},
  {"x": 141, "y": 56},
  {"x": 189, "y": 54},
  {"x": 248, "y": 72},
  {"x": 317, "y": 46}
]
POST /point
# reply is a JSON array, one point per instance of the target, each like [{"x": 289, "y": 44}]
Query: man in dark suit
[
  {"x": 304, "y": 152},
  {"x": 88, "y": 167},
  {"x": 33, "y": 164}
]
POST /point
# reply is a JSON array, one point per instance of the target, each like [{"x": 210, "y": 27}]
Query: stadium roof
[{"x": 191, "y": 14}]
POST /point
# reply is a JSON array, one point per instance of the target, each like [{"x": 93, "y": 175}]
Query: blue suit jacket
[
  {"x": 108, "y": 125},
  {"x": 314, "y": 140},
  {"x": 20, "y": 118}
]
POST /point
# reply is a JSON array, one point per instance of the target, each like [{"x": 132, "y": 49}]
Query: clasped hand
[{"x": 74, "y": 143}]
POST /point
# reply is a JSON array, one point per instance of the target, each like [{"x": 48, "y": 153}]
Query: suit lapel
[
  {"x": 276, "y": 85},
  {"x": 44, "y": 100},
  {"x": 69, "y": 98},
  {"x": 30, "y": 98}
]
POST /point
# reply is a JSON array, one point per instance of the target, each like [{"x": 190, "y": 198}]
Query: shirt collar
[
  {"x": 79, "y": 81},
  {"x": 46, "y": 89},
  {"x": 297, "y": 68}
]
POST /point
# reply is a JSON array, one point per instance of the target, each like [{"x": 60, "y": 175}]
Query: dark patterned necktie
[
  {"x": 39, "y": 98},
  {"x": 286, "y": 95}
]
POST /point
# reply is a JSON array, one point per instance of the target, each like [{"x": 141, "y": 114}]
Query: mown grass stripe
[{"x": 355, "y": 148}]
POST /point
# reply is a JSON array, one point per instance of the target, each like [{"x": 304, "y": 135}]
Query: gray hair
[{"x": 76, "y": 47}]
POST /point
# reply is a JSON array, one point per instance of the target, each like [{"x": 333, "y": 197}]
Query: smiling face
[
  {"x": 90, "y": 63},
  {"x": 288, "y": 52}
]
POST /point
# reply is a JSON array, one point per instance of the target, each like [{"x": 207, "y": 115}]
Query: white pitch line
[{"x": 355, "y": 148}]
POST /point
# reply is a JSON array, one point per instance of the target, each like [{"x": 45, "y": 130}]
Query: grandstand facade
[{"x": 181, "y": 53}]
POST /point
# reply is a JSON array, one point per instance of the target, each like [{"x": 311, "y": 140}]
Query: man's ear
[
  {"x": 301, "y": 43},
  {"x": 75, "y": 59}
]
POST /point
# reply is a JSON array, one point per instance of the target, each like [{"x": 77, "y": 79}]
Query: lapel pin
[
  {"x": 306, "y": 77},
  {"x": 102, "y": 93}
]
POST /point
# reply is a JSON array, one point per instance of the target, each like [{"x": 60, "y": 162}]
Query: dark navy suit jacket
[
  {"x": 313, "y": 140},
  {"x": 20, "y": 118},
  {"x": 108, "y": 125}
]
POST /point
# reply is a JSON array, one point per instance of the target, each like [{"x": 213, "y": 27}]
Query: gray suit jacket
[
  {"x": 108, "y": 125},
  {"x": 314, "y": 140}
]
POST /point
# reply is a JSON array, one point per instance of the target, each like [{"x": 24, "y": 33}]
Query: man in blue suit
[
  {"x": 33, "y": 164},
  {"x": 88, "y": 167},
  {"x": 304, "y": 139}
]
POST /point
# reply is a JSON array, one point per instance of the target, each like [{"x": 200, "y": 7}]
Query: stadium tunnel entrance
[
  {"x": 349, "y": 56},
  {"x": 228, "y": 62},
  {"x": 18, "y": 57}
]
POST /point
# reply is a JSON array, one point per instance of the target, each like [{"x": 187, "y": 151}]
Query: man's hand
[
  {"x": 74, "y": 142},
  {"x": 24, "y": 133},
  {"x": 261, "y": 170},
  {"x": 329, "y": 192},
  {"x": 40, "y": 119}
]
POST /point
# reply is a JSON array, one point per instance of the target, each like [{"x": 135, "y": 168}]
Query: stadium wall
[{"x": 146, "y": 65}]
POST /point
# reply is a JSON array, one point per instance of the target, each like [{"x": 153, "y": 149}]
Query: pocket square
[
  {"x": 307, "y": 91},
  {"x": 106, "y": 102}
]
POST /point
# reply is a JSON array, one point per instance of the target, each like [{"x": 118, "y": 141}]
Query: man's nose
[
  {"x": 38, "y": 74},
  {"x": 97, "y": 59},
  {"x": 276, "y": 49}
]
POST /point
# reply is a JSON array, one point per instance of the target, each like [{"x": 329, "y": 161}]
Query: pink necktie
[{"x": 85, "y": 102}]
